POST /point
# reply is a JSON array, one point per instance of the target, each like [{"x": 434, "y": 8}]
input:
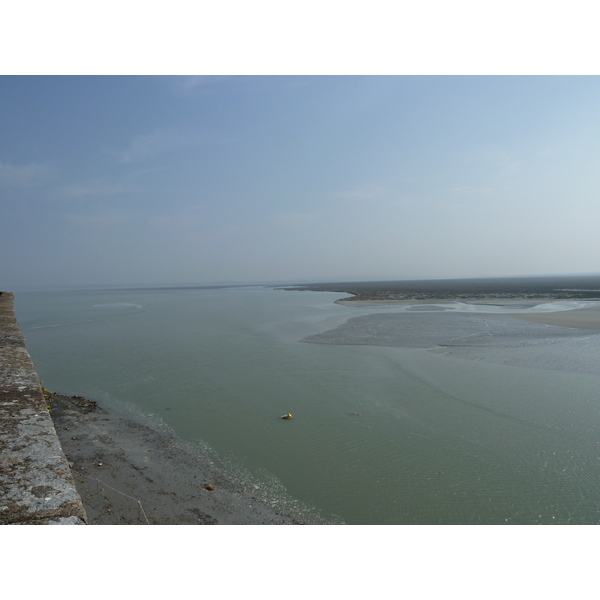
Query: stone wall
[{"x": 36, "y": 485}]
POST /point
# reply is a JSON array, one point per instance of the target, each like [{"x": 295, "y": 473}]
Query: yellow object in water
[{"x": 288, "y": 416}]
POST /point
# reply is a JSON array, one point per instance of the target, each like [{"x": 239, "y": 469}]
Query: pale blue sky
[{"x": 166, "y": 180}]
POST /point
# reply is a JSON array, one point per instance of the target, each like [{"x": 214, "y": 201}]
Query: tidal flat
[
  {"x": 130, "y": 473},
  {"x": 418, "y": 412}
]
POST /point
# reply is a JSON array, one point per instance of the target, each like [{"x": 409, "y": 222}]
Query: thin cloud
[
  {"x": 368, "y": 192},
  {"x": 293, "y": 218},
  {"x": 187, "y": 217},
  {"x": 470, "y": 190},
  {"x": 103, "y": 218},
  {"x": 152, "y": 144},
  {"x": 90, "y": 190},
  {"x": 30, "y": 175},
  {"x": 495, "y": 158},
  {"x": 192, "y": 83}
]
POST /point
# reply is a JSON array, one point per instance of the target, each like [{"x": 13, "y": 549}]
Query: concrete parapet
[{"x": 36, "y": 485}]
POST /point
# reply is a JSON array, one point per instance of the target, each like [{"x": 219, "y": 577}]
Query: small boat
[{"x": 288, "y": 416}]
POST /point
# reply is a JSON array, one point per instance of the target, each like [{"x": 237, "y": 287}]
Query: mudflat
[
  {"x": 579, "y": 318},
  {"x": 130, "y": 474}
]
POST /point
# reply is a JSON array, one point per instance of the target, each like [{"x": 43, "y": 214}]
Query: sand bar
[{"x": 579, "y": 318}]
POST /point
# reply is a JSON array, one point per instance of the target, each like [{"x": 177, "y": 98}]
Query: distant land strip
[{"x": 530, "y": 288}]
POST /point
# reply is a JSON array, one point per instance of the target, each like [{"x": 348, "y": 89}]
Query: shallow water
[{"x": 380, "y": 434}]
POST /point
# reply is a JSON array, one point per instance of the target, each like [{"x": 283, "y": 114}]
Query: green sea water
[{"x": 380, "y": 434}]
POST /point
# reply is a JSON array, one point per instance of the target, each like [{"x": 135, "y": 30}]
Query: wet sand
[
  {"x": 130, "y": 474},
  {"x": 579, "y": 318},
  {"x": 354, "y": 302},
  {"x": 563, "y": 340}
]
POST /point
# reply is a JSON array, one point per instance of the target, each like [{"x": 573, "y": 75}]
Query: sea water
[{"x": 400, "y": 431}]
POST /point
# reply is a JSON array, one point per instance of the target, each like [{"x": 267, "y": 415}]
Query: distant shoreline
[{"x": 542, "y": 289}]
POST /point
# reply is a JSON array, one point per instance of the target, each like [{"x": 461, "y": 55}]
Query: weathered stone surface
[{"x": 36, "y": 485}]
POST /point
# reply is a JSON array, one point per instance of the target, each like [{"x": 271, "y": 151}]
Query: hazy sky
[{"x": 134, "y": 180}]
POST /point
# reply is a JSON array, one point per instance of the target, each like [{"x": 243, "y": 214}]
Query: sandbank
[
  {"x": 579, "y": 318},
  {"x": 575, "y": 318},
  {"x": 510, "y": 302}
]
